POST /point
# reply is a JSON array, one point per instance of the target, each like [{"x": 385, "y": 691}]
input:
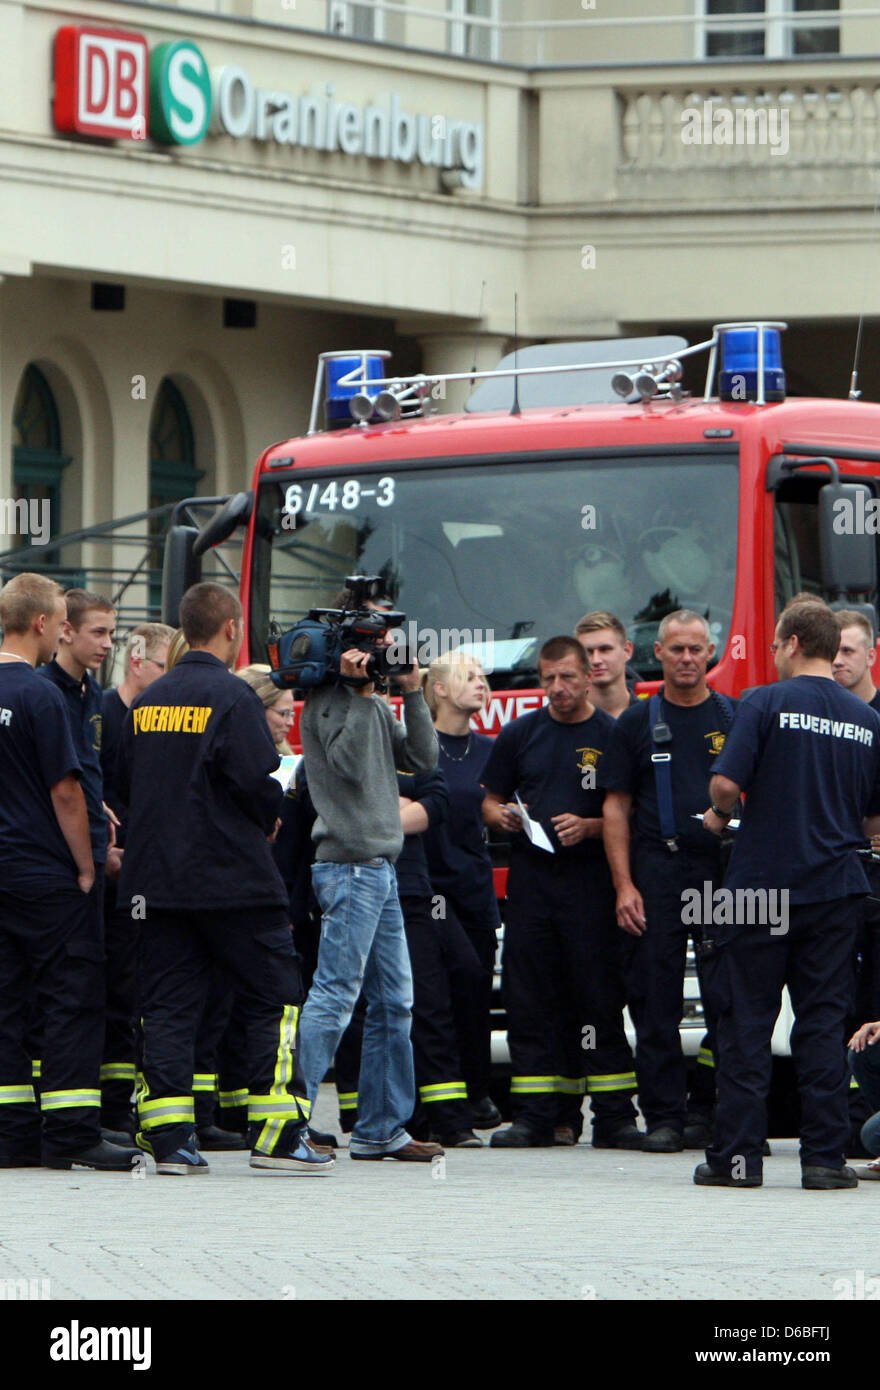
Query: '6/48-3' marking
[{"x": 345, "y": 493}]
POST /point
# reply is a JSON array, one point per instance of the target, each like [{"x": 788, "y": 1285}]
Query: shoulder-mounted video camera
[{"x": 308, "y": 654}]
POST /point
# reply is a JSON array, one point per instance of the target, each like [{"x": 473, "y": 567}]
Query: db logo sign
[
  {"x": 107, "y": 83},
  {"x": 101, "y": 82}
]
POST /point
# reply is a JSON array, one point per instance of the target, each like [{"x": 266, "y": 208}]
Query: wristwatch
[{"x": 722, "y": 815}]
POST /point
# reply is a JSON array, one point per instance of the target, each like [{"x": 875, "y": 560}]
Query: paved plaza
[{"x": 483, "y": 1224}]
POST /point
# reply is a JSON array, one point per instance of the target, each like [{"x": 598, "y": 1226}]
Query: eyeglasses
[{"x": 288, "y": 715}]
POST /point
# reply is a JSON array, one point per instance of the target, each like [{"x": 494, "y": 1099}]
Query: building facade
[{"x": 196, "y": 201}]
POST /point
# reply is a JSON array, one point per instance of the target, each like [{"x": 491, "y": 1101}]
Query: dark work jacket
[
  {"x": 84, "y": 702},
  {"x": 194, "y": 770}
]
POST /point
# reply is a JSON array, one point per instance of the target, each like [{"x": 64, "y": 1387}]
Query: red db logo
[{"x": 101, "y": 82}]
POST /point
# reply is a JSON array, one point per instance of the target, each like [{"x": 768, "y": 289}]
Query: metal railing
[
  {"x": 133, "y": 589},
  {"x": 778, "y": 24}
]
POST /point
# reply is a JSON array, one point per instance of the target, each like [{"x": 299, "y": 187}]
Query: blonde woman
[
  {"x": 461, "y": 869},
  {"x": 278, "y": 704},
  {"x": 177, "y": 647}
]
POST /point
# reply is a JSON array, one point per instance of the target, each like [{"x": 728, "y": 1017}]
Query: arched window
[
  {"x": 37, "y": 461},
  {"x": 173, "y": 472}
]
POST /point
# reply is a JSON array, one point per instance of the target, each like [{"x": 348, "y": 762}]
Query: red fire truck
[
  {"x": 494, "y": 529},
  {"x": 498, "y": 527}
]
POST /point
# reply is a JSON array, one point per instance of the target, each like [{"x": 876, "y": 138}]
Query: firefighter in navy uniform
[
  {"x": 560, "y": 937},
  {"x": 852, "y": 668},
  {"x": 807, "y": 755},
  {"x": 195, "y": 770},
  {"x": 144, "y": 661},
  {"x": 50, "y": 939},
  {"x": 433, "y": 936},
  {"x": 85, "y": 642},
  {"x": 657, "y": 767},
  {"x": 86, "y": 639}
]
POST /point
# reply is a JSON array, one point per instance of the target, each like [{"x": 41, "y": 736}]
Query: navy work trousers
[
  {"x": 654, "y": 970},
  {"x": 177, "y": 951},
  {"x": 815, "y": 959},
  {"x": 51, "y": 957},
  {"x": 563, "y": 995}
]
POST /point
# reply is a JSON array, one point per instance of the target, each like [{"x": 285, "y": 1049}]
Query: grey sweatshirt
[{"x": 353, "y": 746}]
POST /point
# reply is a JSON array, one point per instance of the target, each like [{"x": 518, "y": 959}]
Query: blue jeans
[
  {"x": 363, "y": 945},
  {"x": 866, "y": 1070}
]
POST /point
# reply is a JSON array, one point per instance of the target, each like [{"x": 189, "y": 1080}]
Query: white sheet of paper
[
  {"x": 284, "y": 772},
  {"x": 534, "y": 829}
]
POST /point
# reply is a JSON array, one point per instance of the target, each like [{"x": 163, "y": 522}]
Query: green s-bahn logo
[{"x": 180, "y": 93}]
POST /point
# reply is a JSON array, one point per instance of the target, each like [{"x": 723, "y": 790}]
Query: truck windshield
[{"x": 497, "y": 558}]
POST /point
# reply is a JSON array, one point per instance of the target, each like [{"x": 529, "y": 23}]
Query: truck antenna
[
  {"x": 854, "y": 393},
  {"x": 477, "y": 333},
  {"x": 514, "y": 409}
]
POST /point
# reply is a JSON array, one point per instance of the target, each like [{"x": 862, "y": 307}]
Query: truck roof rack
[{"x": 355, "y": 389}]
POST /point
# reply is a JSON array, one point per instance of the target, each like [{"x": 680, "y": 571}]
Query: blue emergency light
[
  {"x": 367, "y": 367},
  {"x": 740, "y": 378}
]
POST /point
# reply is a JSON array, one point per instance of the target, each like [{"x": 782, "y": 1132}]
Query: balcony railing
[
  {"x": 777, "y": 30},
  {"x": 791, "y": 136}
]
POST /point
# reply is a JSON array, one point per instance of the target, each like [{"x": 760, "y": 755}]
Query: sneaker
[
  {"x": 108, "y": 1158},
  {"x": 870, "y": 1172},
  {"x": 215, "y": 1139},
  {"x": 817, "y": 1178},
  {"x": 663, "y": 1140},
  {"x": 706, "y": 1176},
  {"x": 486, "y": 1113},
  {"x": 302, "y": 1157},
  {"x": 625, "y": 1136},
  {"x": 459, "y": 1139},
  {"x": 520, "y": 1136},
  {"x": 183, "y": 1161},
  {"x": 413, "y": 1152}
]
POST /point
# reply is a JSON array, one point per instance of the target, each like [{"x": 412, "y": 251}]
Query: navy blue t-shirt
[
  {"x": 36, "y": 752},
  {"x": 458, "y": 856},
  {"x": 411, "y": 866},
  {"x": 807, "y": 754},
  {"x": 548, "y": 763},
  {"x": 698, "y": 733},
  {"x": 84, "y": 703},
  {"x": 113, "y": 712}
]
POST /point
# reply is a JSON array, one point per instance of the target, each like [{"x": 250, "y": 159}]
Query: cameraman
[{"x": 352, "y": 745}]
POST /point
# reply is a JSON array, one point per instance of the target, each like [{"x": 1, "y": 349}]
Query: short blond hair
[
  {"x": 259, "y": 679},
  {"x": 848, "y": 617},
  {"x": 25, "y": 597},
  {"x": 598, "y": 621},
  {"x": 451, "y": 669},
  {"x": 148, "y": 637}
]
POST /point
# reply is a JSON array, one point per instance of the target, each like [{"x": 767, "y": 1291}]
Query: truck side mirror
[
  {"x": 848, "y": 528},
  {"x": 181, "y": 569},
  {"x": 236, "y": 512}
]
